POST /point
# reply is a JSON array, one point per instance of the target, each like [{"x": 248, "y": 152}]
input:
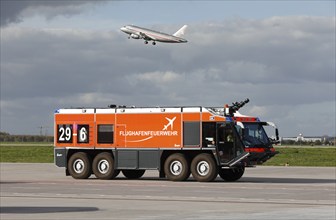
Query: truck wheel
[
  {"x": 79, "y": 166},
  {"x": 203, "y": 168},
  {"x": 133, "y": 174},
  {"x": 103, "y": 166},
  {"x": 176, "y": 167},
  {"x": 231, "y": 175}
]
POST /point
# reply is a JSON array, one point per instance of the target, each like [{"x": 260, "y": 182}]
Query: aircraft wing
[{"x": 146, "y": 37}]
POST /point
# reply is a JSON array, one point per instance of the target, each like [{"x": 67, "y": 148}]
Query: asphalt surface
[{"x": 42, "y": 191}]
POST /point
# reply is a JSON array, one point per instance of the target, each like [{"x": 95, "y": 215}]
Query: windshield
[{"x": 254, "y": 135}]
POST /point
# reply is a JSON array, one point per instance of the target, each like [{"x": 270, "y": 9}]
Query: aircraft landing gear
[
  {"x": 146, "y": 42},
  {"x": 154, "y": 43}
]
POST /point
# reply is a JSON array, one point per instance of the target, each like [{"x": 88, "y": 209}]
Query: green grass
[
  {"x": 304, "y": 156},
  {"x": 26, "y": 143},
  {"x": 26, "y": 154},
  {"x": 293, "y": 156}
]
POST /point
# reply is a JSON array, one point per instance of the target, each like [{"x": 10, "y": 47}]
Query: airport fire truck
[{"x": 176, "y": 141}]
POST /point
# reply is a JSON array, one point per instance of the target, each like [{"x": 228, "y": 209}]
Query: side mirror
[
  {"x": 273, "y": 141},
  {"x": 277, "y": 134}
]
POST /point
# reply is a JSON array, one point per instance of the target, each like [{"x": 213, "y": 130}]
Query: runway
[{"x": 42, "y": 191}]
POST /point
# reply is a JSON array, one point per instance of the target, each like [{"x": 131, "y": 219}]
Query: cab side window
[
  {"x": 105, "y": 134},
  {"x": 208, "y": 134}
]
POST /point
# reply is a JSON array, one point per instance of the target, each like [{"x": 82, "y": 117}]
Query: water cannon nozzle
[{"x": 236, "y": 106}]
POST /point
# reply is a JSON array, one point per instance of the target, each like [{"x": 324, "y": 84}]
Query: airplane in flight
[{"x": 136, "y": 32}]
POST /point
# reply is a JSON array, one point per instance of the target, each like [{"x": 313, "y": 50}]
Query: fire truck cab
[
  {"x": 253, "y": 134},
  {"x": 256, "y": 140}
]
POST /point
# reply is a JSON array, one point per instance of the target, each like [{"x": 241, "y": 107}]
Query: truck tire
[
  {"x": 79, "y": 166},
  {"x": 176, "y": 167},
  {"x": 231, "y": 175},
  {"x": 103, "y": 166},
  {"x": 203, "y": 168},
  {"x": 133, "y": 174}
]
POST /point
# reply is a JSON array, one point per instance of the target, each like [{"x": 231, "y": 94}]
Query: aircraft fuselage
[{"x": 151, "y": 35}]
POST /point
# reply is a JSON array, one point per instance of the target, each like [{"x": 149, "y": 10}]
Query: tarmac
[{"x": 42, "y": 191}]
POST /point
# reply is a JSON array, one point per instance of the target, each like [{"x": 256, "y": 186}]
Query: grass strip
[
  {"x": 26, "y": 154},
  {"x": 302, "y": 156},
  {"x": 291, "y": 156}
]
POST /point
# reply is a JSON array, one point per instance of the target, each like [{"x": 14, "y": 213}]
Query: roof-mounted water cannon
[{"x": 230, "y": 110}]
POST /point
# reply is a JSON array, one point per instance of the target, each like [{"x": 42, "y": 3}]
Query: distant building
[{"x": 311, "y": 139}]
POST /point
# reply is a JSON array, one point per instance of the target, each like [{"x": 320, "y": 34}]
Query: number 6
[{"x": 82, "y": 135}]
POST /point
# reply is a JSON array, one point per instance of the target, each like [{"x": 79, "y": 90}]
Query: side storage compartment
[
  {"x": 60, "y": 157},
  {"x": 137, "y": 159}
]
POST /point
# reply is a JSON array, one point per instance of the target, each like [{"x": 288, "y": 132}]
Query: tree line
[
  {"x": 327, "y": 142},
  {"x": 6, "y": 137}
]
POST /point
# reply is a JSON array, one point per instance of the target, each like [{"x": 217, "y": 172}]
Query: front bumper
[{"x": 257, "y": 158}]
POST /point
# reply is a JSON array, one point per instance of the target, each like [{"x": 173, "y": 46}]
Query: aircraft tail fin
[{"x": 181, "y": 31}]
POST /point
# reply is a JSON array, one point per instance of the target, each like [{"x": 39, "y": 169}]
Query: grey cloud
[
  {"x": 14, "y": 11},
  {"x": 273, "y": 49},
  {"x": 285, "y": 69},
  {"x": 10, "y": 11}
]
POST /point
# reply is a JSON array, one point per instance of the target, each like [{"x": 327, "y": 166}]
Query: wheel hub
[
  {"x": 78, "y": 166},
  {"x": 176, "y": 167},
  {"x": 103, "y": 166},
  {"x": 203, "y": 168}
]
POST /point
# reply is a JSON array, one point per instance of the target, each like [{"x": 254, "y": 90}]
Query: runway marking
[
  {"x": 168, "y": 184},
  {"x": 176, "y": 199}
]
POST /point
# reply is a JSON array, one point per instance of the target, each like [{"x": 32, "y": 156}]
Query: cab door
[
  {"x": 121, "y": 136},
  {"x": 230, "y": 149}
]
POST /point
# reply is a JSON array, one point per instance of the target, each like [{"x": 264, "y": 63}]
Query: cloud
[
  {"x": 159, "y": 78},
  {"x": 15, "y": 11},
  {"x": 285, "y": 65}
]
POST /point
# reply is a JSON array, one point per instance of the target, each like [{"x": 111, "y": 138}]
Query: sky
[{"x": 62, "y": 54}]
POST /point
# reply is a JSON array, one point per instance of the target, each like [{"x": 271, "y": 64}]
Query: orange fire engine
[{"x": 176, "y": 141}]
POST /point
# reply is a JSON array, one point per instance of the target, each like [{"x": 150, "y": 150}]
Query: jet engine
[{"x": 135, "y": 36}]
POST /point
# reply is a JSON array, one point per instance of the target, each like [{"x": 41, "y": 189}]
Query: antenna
[{"x": 45, "y": 130}]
